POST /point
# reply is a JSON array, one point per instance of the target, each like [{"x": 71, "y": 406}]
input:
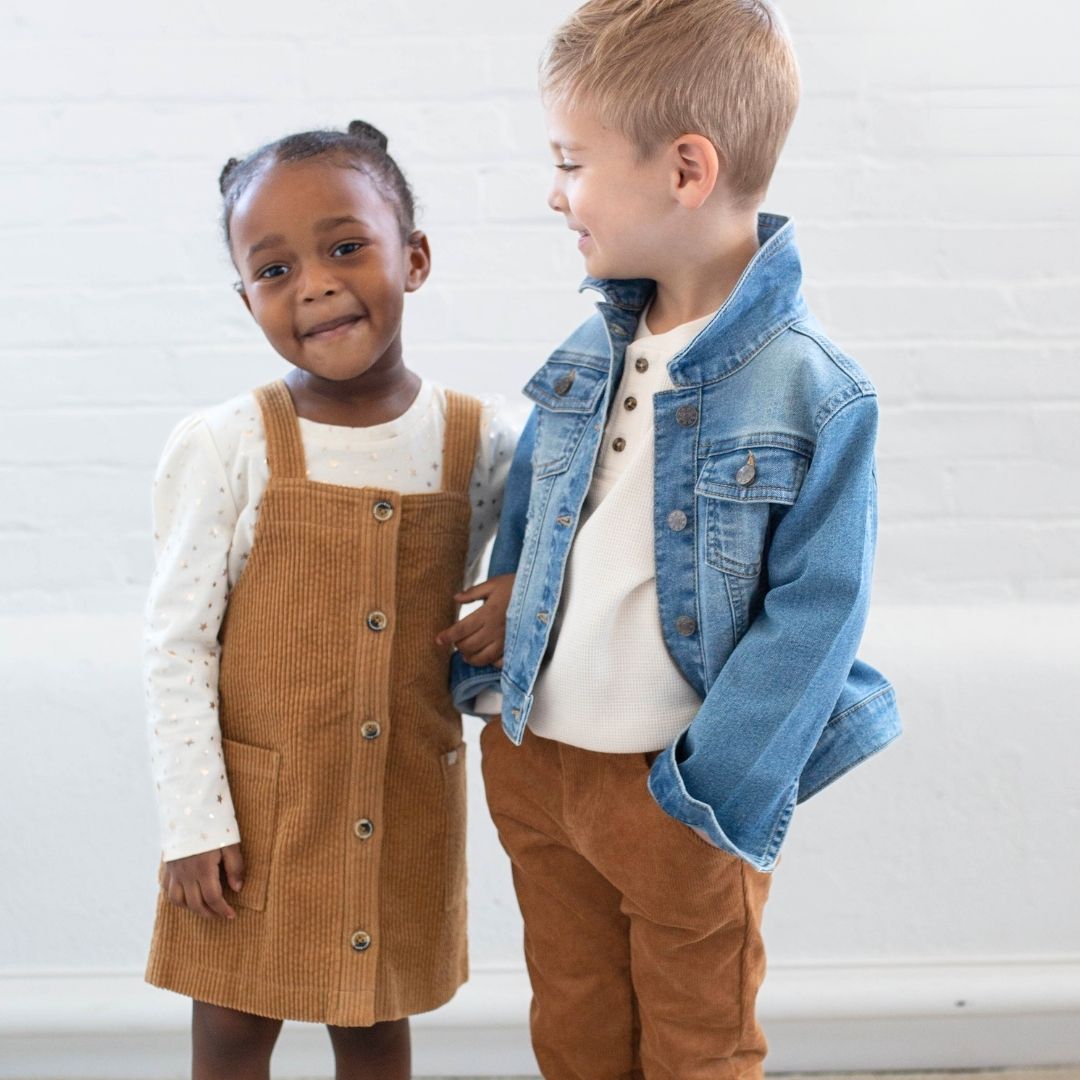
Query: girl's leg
[
  {"x": 230, "y": 1045},
  {"x": 380, "y": 1052}
]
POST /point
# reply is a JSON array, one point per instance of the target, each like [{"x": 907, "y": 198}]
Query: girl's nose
[
  {"x": 316, "y": 284},
  {"x": 556, "y": 200}
]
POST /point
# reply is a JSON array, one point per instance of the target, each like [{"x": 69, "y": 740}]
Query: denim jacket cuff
[{"x": 467, "y": 683}]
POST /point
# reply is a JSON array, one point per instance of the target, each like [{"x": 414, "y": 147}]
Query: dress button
[
  {"x": 747, "y": 472},
  {"x": 383, "y": 510},
  {"x": 563, "y": 384},
  {"x": 360, "y": 941},
  {"x": 641, "y": 364},
  {"x": 630, "y": 404},
  {"x": 376, "y": 620},
  {"x": 363, "y": 829},
  {"x": 685, "y": 625},
  {"x": 686, "y": 415},
  {"x": 370, "y": 729},
  {"x": 618, "y": 444},
  {"x": 676, "y": 521}
]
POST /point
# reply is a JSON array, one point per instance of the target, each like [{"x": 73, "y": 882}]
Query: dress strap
[
  {"x": 460, "y": 441},
  {"x": 284, "y": 447}
]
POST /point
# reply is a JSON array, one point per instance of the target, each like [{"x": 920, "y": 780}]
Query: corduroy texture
[
  {"x": 335, "y": 711},
  {"x": 643, "y": 941}
]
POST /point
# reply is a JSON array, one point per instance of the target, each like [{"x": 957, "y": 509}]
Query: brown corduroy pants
[{"x": 642, "y": 940}]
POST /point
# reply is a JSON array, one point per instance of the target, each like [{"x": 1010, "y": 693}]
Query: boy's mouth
[{"x": 330, "y": 325}]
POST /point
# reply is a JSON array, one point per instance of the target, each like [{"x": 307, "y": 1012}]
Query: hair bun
[
  {"x": 231, "y": 164},
  {"x": 361, "y": 129}
]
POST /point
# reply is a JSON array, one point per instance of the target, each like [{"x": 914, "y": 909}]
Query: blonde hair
[{"x": 657, "y": 69}]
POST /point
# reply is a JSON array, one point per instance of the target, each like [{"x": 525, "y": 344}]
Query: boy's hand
[
  {"x": 195, "y": 881},
  {"x": 479, "y": 636}
]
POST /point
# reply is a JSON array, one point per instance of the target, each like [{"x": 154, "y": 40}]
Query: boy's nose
[{"x": 556, "y": 200}]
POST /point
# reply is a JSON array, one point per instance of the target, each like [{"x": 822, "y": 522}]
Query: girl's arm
[{"x": 194, "y": 520}]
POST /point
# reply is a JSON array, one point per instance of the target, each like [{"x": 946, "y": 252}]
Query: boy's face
[{"x": 622, "y": 208}]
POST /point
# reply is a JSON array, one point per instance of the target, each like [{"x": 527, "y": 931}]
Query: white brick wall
[{"x": 934, "y": 174}]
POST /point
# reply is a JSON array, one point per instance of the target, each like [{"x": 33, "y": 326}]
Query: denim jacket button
[
  {"x": 748, "y": 472},
  {"x": 686, "y": 415},
  {"x": 562, "y": 386},
  {"x": 676, "y": 521},
  {"x": 685, "y": 625}
]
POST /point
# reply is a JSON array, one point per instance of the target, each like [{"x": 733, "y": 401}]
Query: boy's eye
[
  {"x": 349, "y": 247},
  {"x": 274, "y": 271},
  {"x": 566, "y": 166}
]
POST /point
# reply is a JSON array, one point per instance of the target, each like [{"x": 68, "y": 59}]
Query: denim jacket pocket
[
  {"x": 567, "y": 394},
  {"x": 741, "y": 486}
]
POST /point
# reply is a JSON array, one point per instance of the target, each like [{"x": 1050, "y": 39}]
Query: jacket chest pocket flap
[
  {"x": 741, "y": 487},
  {"x": 567, "y": 395}
]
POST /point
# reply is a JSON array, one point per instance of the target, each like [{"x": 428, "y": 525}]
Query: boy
[{"x": 691, "y": 518}]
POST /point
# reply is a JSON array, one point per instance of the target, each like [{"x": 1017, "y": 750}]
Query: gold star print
[
  {"x": 221, "y": 798},
  {"x": 203, "y": 626}
]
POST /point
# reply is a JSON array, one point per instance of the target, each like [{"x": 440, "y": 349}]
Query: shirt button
[
  {"x": 618, "y": 444},
  {"x": 747, "y": 472},
  {"x": 562, "y": 386},
  {"x": 686, "y": 415},
  {"x": 376, "y": 620},
  {"x": 360, "y": 941},
  {"x": 630, "y": 404},
  {"x": 641, "y": 364},
  {"x": 363, "y": 829},
  {"x": 685, "y": 625},
  {"x": 383, "y": 510},
  {"x": 676, "y": 521},
  {"x": 370, "y": 729}
]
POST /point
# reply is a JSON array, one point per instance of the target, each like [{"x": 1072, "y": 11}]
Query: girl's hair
[{"x": 361, "y": 147}]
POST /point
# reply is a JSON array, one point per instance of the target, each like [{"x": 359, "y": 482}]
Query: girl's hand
[
  {"x": 194, "y": 882},
  {"x": 479, "y": 636}
]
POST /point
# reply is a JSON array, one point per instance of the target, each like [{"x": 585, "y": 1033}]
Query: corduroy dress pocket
[{"x": 252, "y": 772}]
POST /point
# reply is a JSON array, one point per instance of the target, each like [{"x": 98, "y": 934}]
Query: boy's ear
[
  {"x": 419, "y": 254},
  {"x": 698, "y": 167}
]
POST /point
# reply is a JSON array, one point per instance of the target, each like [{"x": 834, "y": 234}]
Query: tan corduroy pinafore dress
[{"x": 342, "y": 749}]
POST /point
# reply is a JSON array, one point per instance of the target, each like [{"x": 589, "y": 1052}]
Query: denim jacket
[{"x": 764, "y": 524}]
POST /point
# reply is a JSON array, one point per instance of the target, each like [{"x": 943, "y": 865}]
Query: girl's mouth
[{"x": 332, "y": 327}]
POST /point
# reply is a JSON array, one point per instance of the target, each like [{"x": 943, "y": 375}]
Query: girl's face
[{"x": 324, "y": 269}]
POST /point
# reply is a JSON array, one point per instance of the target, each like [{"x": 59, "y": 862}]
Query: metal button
[
  {"x": 618, "y": 444},
  {"x": 370, "y": 729},
  {"x": 363, "y": 829},
  {"x": 748, "y": 472},
  {"x": 685, "y": 625},
  {"x": 686, "y": 415},
  {"x": 676, "y": 521},
  {"x": 383, "y": 510},
  {"x": 542, "y": 616},
  {"x": 360, "y": 941},
  {"x": 630, "y": 404},
  {"x": 563, "y": 519},
  {"x": 641, "y": 364},
  {"x": 562, "y": 386},
  {"x": 376, "y": 620}
]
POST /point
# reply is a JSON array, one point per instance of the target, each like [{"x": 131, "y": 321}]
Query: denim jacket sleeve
[
  {"x": 734, "y": 773},
  {"x": 467, "y": 681}
]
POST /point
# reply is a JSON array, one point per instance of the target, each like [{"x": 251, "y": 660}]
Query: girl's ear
[
  {"x": 419, "y": 255},
  {"x": 697, "y": 169},
  {"x": 242, "y": 292}
]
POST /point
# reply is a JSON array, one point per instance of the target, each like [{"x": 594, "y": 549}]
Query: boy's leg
[
  {"x": 577, "y": 941},
  {"x": 227, "y": 1044},
  {"x": 695, "y": 912}
]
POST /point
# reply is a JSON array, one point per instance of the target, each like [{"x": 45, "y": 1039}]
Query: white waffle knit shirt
[{"x": 609, "y": 683}]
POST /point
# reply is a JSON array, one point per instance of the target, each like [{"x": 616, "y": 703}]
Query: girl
[{"x": 310, "y": 539}]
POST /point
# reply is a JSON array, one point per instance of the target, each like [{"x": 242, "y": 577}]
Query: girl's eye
[
  {"x": 565, "y": 166},
  {"x": 349, "y": 247},
  {"x": 275, "y": 271}
]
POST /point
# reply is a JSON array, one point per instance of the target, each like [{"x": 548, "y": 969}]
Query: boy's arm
[
  {"x": 734, "y": 773},
  {"x": 466, "y": 681}
]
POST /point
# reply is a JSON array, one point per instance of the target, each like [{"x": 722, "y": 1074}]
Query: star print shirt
[{"x": 206, "y": 497}]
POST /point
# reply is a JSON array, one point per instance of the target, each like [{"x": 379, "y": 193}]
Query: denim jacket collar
[{"x": 765, "y": 301}]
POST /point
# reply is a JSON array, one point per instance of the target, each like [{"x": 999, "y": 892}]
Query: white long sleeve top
[
  {"x": 609, "y": 683},
  {"x": 206, "y": 496}
]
